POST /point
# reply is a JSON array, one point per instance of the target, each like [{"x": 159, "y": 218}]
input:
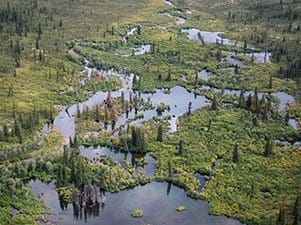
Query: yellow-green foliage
[
  {"x": 253, "y": 189},
  {"x": 276, "y": 183},
  {"x": 137, "y": 213},
  {"x": 181, "y": 208},
  {"x": 36, "y": 82},
  {"x": 275, "y": 178}
]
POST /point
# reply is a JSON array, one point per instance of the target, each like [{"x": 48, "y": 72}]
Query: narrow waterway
[{"x": 157, "y": 200}]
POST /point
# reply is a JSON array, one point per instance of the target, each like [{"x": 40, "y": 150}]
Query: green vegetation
[
  {"x": 181, "y": 208},
  {"x": 137, "y": 213},
  {"x": 234, "y": 188},
  {"x": 44, "y": 46}
]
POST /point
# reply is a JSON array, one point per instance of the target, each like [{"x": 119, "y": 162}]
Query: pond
[
  {"x": 206, "y": 36},
  {"x": 97, "y": 153},
  {"x": 157, "y": 200},
  {"x": 215, "y": 37}
]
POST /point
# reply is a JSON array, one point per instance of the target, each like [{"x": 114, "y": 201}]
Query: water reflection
[{"x": 157, "y": 200}]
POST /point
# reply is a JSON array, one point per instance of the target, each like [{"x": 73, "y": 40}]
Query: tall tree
[
  {"x": 282, "y": 217},
  {"x": 189, "y": 108},
  {"x": 268, "y": 146},
  {"x": 214, "y": 103},
  {"x": 235, "y": 157},
  {"x": 296, "y": 211},
  {"x": 180, "y": 147},
  {"x": 160, "y": 133}
]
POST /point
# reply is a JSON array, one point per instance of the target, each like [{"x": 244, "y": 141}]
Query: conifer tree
[
  {"x": 296, "y": 211},
  {"x": 180, "y": 147},
  {"x": 189, "y": 108},
  {"x": 282, "y": 217},
  {"x": 160, "y": 133},
  {"x": 214, "y": 103},
  {"x": 268, "y": 146},
  {"x": 196, "y": 80},
  {"x": 235, "y": 157}
]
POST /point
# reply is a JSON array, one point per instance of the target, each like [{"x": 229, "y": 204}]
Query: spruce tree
[
  {"x": 214, "y": 103},
  {"x": 209, "y": 125},
  {"x": 282, "y": 217},
  {"x": 271, "y": 82},
  {"x": 235, "y": 157},
  {"x": 296, "y": 211},
  {"x": 189, "y": 108},
  {"x": 249, "y": 102},
  {"x": 139, "y": 29},
  {"x": 196, "y": 80},
  {"x": 180, "y": 147},
  {"x": 160, "y": 133},
  {"x": 268, "y": 146}
]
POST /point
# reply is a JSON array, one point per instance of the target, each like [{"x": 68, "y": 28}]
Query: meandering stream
[{"x": 158, "y": 200}]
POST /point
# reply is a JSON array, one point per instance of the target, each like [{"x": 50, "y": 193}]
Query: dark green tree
[
  {"x": 160, "y": 133},
  {"x": 236, "y": 69},
  {"x": 209, "y": 125},
  {"x": 271, "y": 82},
  {"x": 18, "y": 132},
  {"x": 5, "y": 131},
  {"x": 189, "y": 108},
  {"x": 249, "y": 102},
  {"x": 296, "y": 211},
  {"x": 241, "y": 98},
  {"x": 97, "y": 113},
  {"x": 139, "y": 29},
  {"x": 214, "y": 104},
  {"x": 196, "y": 79},
  {"x": 138, "y": 139},
  {"x": 268, "y": 147},
  {"x": 282, "y": 217},
  {"x": 180, "y": 147},
  {"x": 235, "y": 157}
]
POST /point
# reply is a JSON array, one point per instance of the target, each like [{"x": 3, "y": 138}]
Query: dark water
[
  {"x": 204, "y": 178},
  {"x": 97, "y": 153},
  {"x": 157, "y": 200}
]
